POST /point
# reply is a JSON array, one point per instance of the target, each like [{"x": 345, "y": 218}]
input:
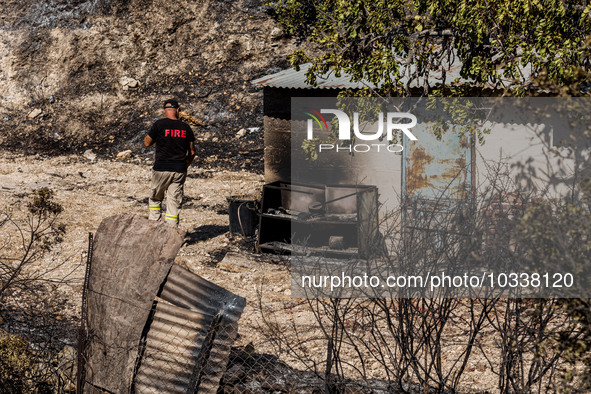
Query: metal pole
[{"x": 84, "y": 316}]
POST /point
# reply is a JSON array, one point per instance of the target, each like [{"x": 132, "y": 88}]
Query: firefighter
[{"x": 175, "y": 151}]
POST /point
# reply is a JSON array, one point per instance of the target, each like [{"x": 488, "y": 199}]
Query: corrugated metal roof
[
  {"x": 293, "y": 79},
  {"x": 194, "y": 325}
]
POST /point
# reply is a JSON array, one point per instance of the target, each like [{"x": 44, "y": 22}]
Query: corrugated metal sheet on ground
[
  {"x": 188, "y": 343},
  {"x": 125, "y": 276},
  {"x": 172, "y": 346}
]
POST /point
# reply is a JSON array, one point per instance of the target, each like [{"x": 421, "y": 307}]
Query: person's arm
[
  {"x": 148, "y": 141},
  {"x": 191, "y": 154},
  {"x": 150, "y": 138}
]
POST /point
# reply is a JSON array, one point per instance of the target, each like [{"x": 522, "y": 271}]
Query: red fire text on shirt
[{"x": 175, "y": 133}]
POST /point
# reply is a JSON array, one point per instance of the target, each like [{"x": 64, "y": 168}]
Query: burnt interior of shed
[{"x": 320, "y": 219}]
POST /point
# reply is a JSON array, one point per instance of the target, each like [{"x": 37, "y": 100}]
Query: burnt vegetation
[
  {"x": 68, "y": 58},
  {"x": 36, "y": 332}
]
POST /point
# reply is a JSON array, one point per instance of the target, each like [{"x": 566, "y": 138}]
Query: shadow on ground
[
  {"x": 252, "y": 372},
  {"x": 205, "y": 232}
]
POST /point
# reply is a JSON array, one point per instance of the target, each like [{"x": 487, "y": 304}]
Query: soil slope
[{"x": 92, "y": 74}]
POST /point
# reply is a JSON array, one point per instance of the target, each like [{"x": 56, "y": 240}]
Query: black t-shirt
[{"x": 172, "y": 139}]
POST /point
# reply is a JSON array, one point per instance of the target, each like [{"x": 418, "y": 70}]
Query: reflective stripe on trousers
[{"x": 172, "y": 185}]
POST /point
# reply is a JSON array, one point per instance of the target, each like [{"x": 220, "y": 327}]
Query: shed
[{"x": 279, "y": 88}]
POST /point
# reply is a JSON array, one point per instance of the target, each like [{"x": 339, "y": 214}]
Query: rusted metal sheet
[
  {"x": 189, "y": 338},
  {"x": 434, "y": 169},
  {"x": 131, "y": 258}
]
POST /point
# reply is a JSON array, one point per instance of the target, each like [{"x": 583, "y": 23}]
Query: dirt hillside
[{"x": 92, "y": 74}]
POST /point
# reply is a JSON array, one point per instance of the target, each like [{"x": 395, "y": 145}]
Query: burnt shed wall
[{"x": 277, "y": 125}]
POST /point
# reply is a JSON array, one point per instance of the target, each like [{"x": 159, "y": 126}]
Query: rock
[
  {"x": 178, "y": 89},
  {"x": 276, "y": 33},
  {"x": 51, "y": 99},
  {"x": 183, "y": 261},
  {"x": 241, "y": 133},
  {"x": 89, "y": 154},
  {"x": 124, "y": 155},
  {"x": 234, "y": 262},
  {"x": 215, "y": 139},
  {"x": 37, "y": 185},
  {"x": 34, "y": 113},
  {"x": 128, "y": 82}
]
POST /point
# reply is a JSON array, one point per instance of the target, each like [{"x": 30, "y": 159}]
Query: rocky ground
[{"x": 89, "y": 191}]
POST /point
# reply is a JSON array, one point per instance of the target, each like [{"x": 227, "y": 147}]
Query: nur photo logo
[{"x": 394, "y": 122}]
